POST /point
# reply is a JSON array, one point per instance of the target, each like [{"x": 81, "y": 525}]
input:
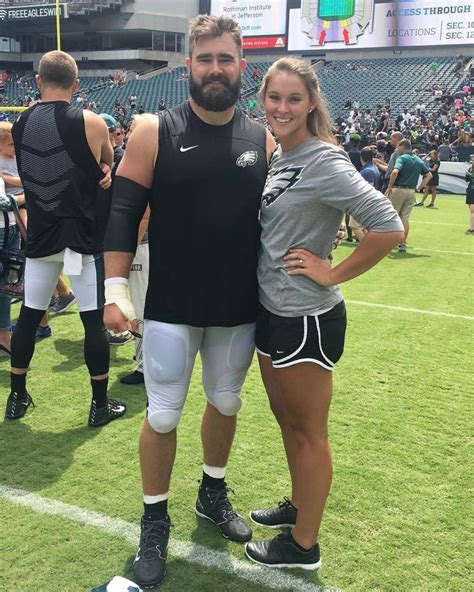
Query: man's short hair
[
  {"x": 405, "y": 144},
  {"x": 366, "y": 154},
  {"x": 59, "y": 69},
  {"x": 206, "y": 26}
]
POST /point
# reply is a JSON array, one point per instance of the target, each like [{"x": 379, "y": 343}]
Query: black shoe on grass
[
  {"x": 136, "y": 377},
  {"x": 282, "y": 552},
  {"x": 149, "y": 566},
  {"x": 282, "y": 516},
  {"x": 17, "y": 405},
  {"x": 214, "y": 505},
  {"x": 99, "y": 416}
]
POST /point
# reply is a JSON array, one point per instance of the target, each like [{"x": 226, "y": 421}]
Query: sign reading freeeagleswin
[
  {"x": 338, "y": 24},
  {"x": 24, "y": 13}
]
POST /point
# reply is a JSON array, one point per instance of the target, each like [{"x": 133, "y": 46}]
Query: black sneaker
[
  {"x": 17, "y": 405},
  {"x": 282, "y": 552},
  {"x": 99, "y": 416},
  {"x": 282, "y": 516},
  {"x": 149, "y": 566},
  {"x": 214, "y": 505},
  {"x": 135, "y": 377}
]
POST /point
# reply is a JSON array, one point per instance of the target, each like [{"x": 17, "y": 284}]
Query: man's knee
[
  {"x": 164, "y": 421},
  {"x": 227, "y": 402}
]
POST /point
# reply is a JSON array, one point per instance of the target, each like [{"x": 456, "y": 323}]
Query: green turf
[{"x": 399, "y": 517}]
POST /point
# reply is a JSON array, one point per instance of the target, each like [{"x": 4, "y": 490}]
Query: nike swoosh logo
[
  {"x": 183, "y": 149},
  {"x": 280, "y": 352}
]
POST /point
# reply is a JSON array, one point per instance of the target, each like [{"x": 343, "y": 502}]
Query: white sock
[
  {"x": 214, "y": 472},
  {"x": 154, "y": 499}
]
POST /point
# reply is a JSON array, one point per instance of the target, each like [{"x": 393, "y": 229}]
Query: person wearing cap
[{"x": 113, "y": 126}]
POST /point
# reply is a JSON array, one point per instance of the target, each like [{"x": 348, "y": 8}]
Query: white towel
[{"x": 72, "y": 262}]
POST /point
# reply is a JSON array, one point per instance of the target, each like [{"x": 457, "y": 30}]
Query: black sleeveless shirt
[
  {"x": 204, "y": 231},
  {"x": 60, "y": 177}
]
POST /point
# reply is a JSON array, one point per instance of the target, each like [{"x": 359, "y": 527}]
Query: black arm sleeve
[{"x": 129, "y": 203}]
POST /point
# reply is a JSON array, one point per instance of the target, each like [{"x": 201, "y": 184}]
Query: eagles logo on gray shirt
[{"x": 279, "y": 181}]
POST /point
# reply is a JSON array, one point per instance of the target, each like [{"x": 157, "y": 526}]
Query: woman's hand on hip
[{"x": 303, "y": 262}]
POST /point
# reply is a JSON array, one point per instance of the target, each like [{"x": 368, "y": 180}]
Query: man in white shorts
[
  {"x": 201, "y": 167},
  {"x": 62, "y": 154}
]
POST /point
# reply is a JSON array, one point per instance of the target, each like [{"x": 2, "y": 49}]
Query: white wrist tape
[
  {"x": 116, "y": 280},
  {"x": 118, "y": 294}
]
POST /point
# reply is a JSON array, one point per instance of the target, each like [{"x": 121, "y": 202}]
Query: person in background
[
  {"x": 12, "y": 242},
  {"x": 469, "y": 177},
  {"x": 432, "y": 185},
  {"x": 13, "y": 186},
  {"x": 63, "y": 200},
  {"x": 402, "y": 184},
  {"x": 138, "y": 279},
  {"x": 371, "y": 174}
]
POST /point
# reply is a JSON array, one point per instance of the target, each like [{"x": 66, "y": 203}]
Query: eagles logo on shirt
[
  {"x": 248, "y": 158},
  {"x": 279, "y": 182}
]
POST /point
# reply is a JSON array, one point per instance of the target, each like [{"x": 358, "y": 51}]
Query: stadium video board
[
  {"x": 342, "y": 24},
  {"x": 307, "y": 25},
  {"x": 263, "y": 22}
]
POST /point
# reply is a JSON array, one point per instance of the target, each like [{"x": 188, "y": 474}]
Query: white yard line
[
  {"x": 434, "y": 313},
  {"x": 439, "y": 251},
  {"x": 193, "y": 553},
  {"x": 438, "y": 223}
]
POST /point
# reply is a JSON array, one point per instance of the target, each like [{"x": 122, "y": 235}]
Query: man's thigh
[
  {"x": 89, "y": 285},
  {"x": 226, "y": 354},
  {"x": 402, "y": 200},
  {"x": 169, "y": 353},
  {"x": 41, "y": 277},
  {"x": 407, "y": 203}
]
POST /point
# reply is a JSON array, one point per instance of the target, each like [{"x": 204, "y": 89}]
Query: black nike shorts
[{"x": 313, "y": 338}]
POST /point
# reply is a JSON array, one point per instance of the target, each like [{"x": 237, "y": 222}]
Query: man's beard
[{"x": 214, "y": 98}]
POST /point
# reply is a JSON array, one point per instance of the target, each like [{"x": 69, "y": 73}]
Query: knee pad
[
  {"x": 226, "y": 402},
  {"x": 164, "y": 421}
]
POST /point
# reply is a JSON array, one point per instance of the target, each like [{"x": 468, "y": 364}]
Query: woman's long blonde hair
[{"x": 319, "y": 120}]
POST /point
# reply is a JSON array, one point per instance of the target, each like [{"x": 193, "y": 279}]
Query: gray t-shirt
[{"x": 307, "y": 191}]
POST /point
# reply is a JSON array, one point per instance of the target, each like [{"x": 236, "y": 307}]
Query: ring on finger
[{"x": 301, "y": 261}]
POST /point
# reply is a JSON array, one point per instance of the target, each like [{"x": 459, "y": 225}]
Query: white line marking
[
  {"x": 438, "y": 223},
  {"x": 193, "y": 553},
  {"x": 433, "y": 313},
  {"x": 438, "y": 251}
]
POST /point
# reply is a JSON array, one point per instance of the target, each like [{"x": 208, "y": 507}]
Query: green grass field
[{"x": 399, "y": 517}]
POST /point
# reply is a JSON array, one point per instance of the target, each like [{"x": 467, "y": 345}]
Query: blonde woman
[{"x": 302, "y": 320}]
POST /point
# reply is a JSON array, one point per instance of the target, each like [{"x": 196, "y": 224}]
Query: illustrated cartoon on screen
[{"x": 336, "y": 20}]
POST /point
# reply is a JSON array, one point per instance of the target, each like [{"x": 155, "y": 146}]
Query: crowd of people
[
  {"x": 450, "y": 123},
  {"x": 264, "y": 278}
]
